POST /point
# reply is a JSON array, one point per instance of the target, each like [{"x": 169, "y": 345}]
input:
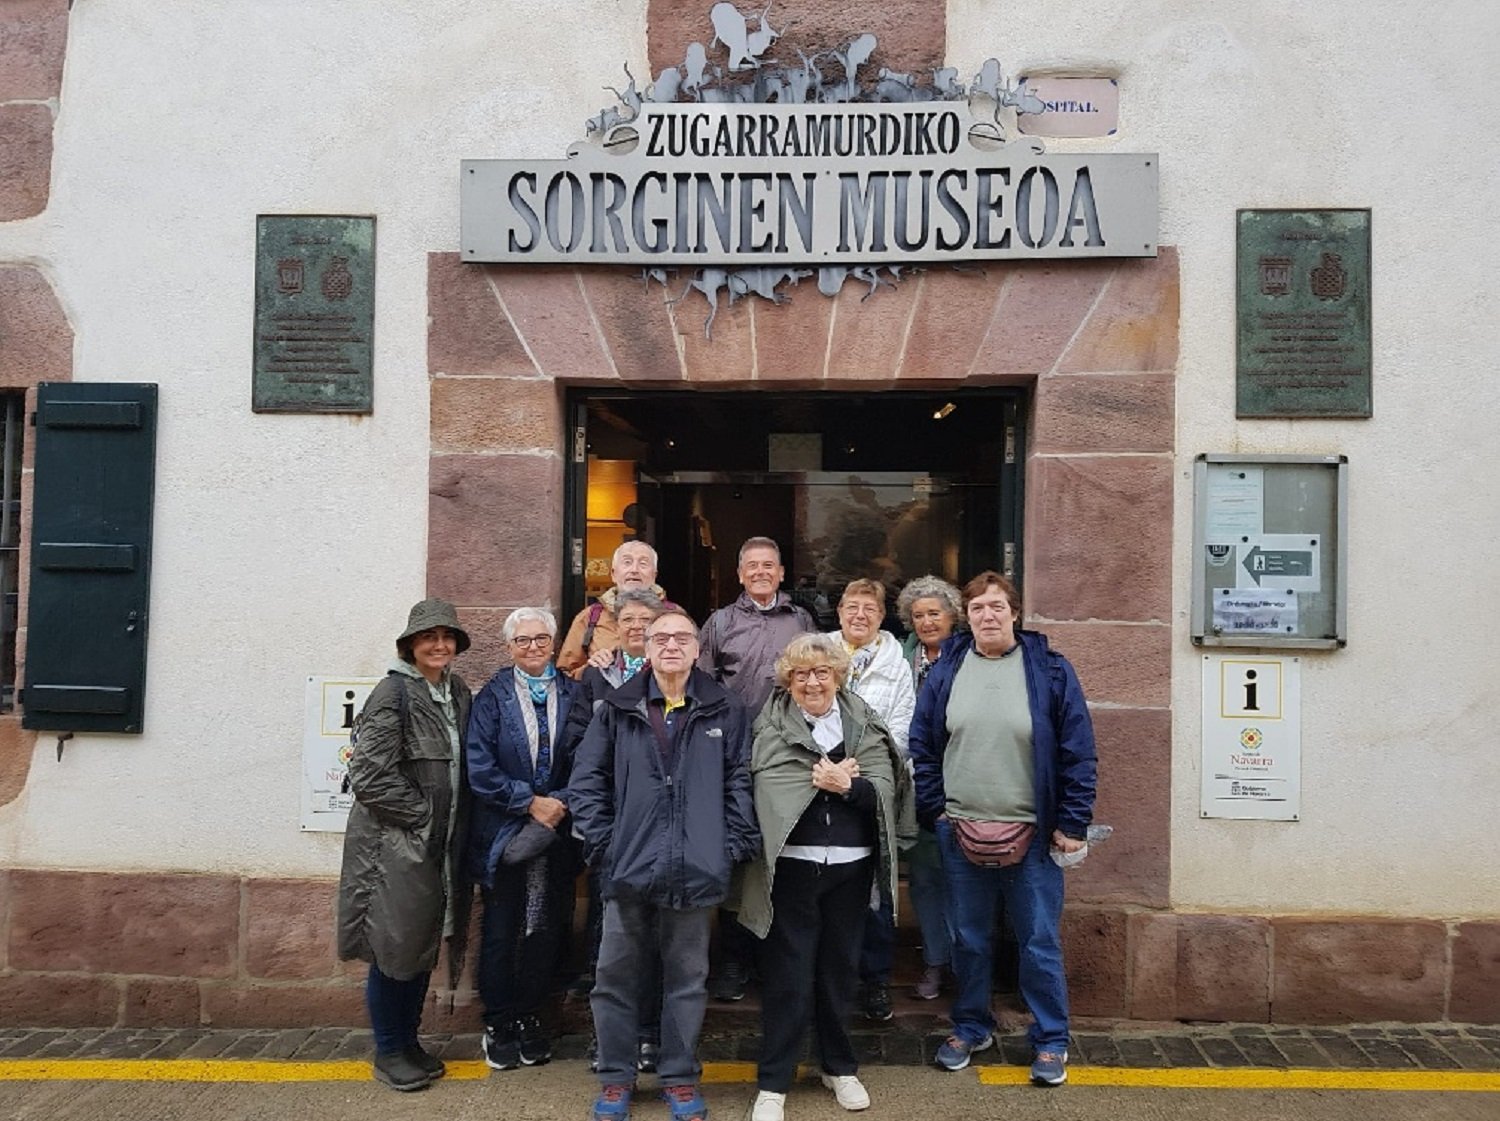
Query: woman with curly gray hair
[{"x": 931, "y": 609}]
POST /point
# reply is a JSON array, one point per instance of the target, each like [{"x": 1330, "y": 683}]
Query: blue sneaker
[
  {"x": 954, "y": 1054},
  {"x": 1049, "y": 1068},
  {"x": 613, "y": 1103},
  {"x": 686, "y": 1102}
]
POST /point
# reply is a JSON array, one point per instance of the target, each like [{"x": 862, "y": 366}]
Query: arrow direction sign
[{"x": 1278, "y": 563}]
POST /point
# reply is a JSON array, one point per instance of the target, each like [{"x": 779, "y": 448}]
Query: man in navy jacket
[
  {"x": 1002, "y": 735},
  {"x": 661, "y": 797}
]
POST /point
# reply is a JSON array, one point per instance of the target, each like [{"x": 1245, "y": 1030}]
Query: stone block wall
[
  {"x": 90, "y": 949},
  {"x": 33, "y": 37}
]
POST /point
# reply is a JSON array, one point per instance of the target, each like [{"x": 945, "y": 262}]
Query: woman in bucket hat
[{"x": 402, "y": 889}]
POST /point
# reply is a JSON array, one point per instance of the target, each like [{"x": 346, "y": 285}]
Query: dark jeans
[
  {"x": 636, "y": 936},
  {"x": 809, "y": 965},
  {"x": 929, "y": 898},
  {"x": 877, "y": 952},
  {"x": 395, "y": 1010},
  {"x": 518, "y": 954},
  {"x": 1033, "y": 895}
]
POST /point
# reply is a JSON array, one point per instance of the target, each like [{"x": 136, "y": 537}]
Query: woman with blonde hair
[{"x": 830, "y": 786}]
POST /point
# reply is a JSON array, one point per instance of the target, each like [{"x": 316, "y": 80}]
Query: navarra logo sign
[{"x": 759, "y": 163}]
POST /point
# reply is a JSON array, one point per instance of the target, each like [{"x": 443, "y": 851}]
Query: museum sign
[{"x": 815, "y": 184}]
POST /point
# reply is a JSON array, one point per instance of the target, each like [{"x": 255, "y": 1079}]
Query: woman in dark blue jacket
[
  {"x": 519, "y": 767},
  {"x": 1001, "y": 740}
]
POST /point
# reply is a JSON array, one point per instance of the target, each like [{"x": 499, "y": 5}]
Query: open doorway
[{"x": 887, "y": 485}]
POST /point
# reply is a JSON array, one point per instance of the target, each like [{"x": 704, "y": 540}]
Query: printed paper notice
[
  {"x": 1248, "y": 611},
  {"x": 332, "y": 703},
  {"x": 1236, "y": 503}
]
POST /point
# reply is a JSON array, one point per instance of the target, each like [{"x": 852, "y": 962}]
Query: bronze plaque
[
  {"x": 314, "y": 314},
  {"x": 1303, "y": 314}
]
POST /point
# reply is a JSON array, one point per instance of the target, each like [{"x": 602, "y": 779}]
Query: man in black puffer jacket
[{"x": 661, "y": 795}]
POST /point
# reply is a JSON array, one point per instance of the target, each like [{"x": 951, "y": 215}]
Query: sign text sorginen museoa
[{"x": 748, "y": 184}]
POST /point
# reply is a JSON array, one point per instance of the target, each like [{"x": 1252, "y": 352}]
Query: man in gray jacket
[
  {"x": 661, "y": 795},
  {"x": 738, "y": 647}
]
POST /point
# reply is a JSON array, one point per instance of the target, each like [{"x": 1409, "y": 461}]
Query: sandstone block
[
  {"x": 1118, "y": 663},
  {"x": 487, "y": 650},
  {"x": 1037, "y": 315},
  {"x": 868, "y": 333},
  {"x": 36, "y": 342},
  {"x": 236, "y": 1005},
  {"x": 16, "y": 748},
  {"x": 33, "y": 39},
  {"x": 1223, "y": 968},
  {"x": 289, "y": 929},
  {"x": 1356, "y": 970},
  {"x": 953, "y": 315},
  {"x": 1088, "y": 413},
  {"x": 1098, "y": 530},
  {"x": 103, "y": 922},
  {"x": 637, "y": 323},
  {"x": 1476, "y": 974},
  {"x": 493, "y": 532},
  {"x": 1135, "y": 796},
  {"x": 729, "y": 355},
  {"x": 547, "y": 306},
  {"x": 1094, "y": 954},
  {"x": 160, "y": 1002},
  {"x": 58, "y": 1000},
  {"x": 1152, "y": 939},
  {"x": 467, "y": 331},
  {"x": 496, "y": 415},
  {"x": 1135, "y": 325},
  {"x": 791, "y": 339},
  {"x": 912, "y": 34},
  {"x": 25, "y": 160}
]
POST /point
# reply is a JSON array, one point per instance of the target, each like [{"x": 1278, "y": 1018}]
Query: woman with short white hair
[{"x": 519, "y": 766}]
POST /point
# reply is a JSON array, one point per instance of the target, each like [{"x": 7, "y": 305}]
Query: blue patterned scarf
[{"x": 537, "y": 686}]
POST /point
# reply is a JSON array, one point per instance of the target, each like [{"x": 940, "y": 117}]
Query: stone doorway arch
[{"x": 1095, "y": 342}]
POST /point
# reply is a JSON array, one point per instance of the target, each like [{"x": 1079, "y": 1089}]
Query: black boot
[
  {"x": 399, "y": 1072},
  {"x": 427, "y": 1061}
]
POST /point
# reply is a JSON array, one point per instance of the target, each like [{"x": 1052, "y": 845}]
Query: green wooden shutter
[{"x": 90, "y": 557}]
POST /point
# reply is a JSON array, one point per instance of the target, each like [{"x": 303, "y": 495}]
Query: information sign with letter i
[{"x": 1252, "y": 738}]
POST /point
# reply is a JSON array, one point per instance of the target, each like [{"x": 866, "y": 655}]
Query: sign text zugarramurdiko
[{"x": 807, "y": 184}]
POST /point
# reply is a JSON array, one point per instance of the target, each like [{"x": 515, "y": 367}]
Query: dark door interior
[{"x": 883, "y": 485}]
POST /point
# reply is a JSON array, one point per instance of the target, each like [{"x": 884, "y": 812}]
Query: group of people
[{"x": 756, "y": 768}]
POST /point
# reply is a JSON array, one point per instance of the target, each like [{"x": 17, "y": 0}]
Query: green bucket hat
[{"x": 434, "y": 613}]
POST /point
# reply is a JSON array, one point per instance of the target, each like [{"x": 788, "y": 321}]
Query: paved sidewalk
[{"x": 908, "y": 1040}]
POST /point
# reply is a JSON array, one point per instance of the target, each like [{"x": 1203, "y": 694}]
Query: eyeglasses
[
  {"x": 817, "y": 673},
  {"x": 525, "y": 640},
  {"x": 672, "y": 638}
]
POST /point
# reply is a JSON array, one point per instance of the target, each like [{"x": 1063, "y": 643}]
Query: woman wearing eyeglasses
[
  {"x": 519, "y": 765},
  {"x": 828, "y": 782}
]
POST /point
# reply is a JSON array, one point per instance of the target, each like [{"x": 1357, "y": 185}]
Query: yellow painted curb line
[
  {"x": 204, "y": 1070},
  {"x": 1257, "y": 1078}
]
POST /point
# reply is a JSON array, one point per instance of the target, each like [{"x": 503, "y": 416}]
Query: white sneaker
[
  {"x": 768, "y": 1106},
  {"x": 848, "y": 1089}
]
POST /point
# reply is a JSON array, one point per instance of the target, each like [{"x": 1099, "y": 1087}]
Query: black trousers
[
  {"x": 810, "y": 966},
  {"x": 517, "y": 952}
]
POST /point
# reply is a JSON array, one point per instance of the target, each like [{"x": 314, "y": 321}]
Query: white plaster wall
[
  {"x": 293, "y": 545},
  {"x": 1392, "y": 106},
  {"x": 284, "y": 545}
]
